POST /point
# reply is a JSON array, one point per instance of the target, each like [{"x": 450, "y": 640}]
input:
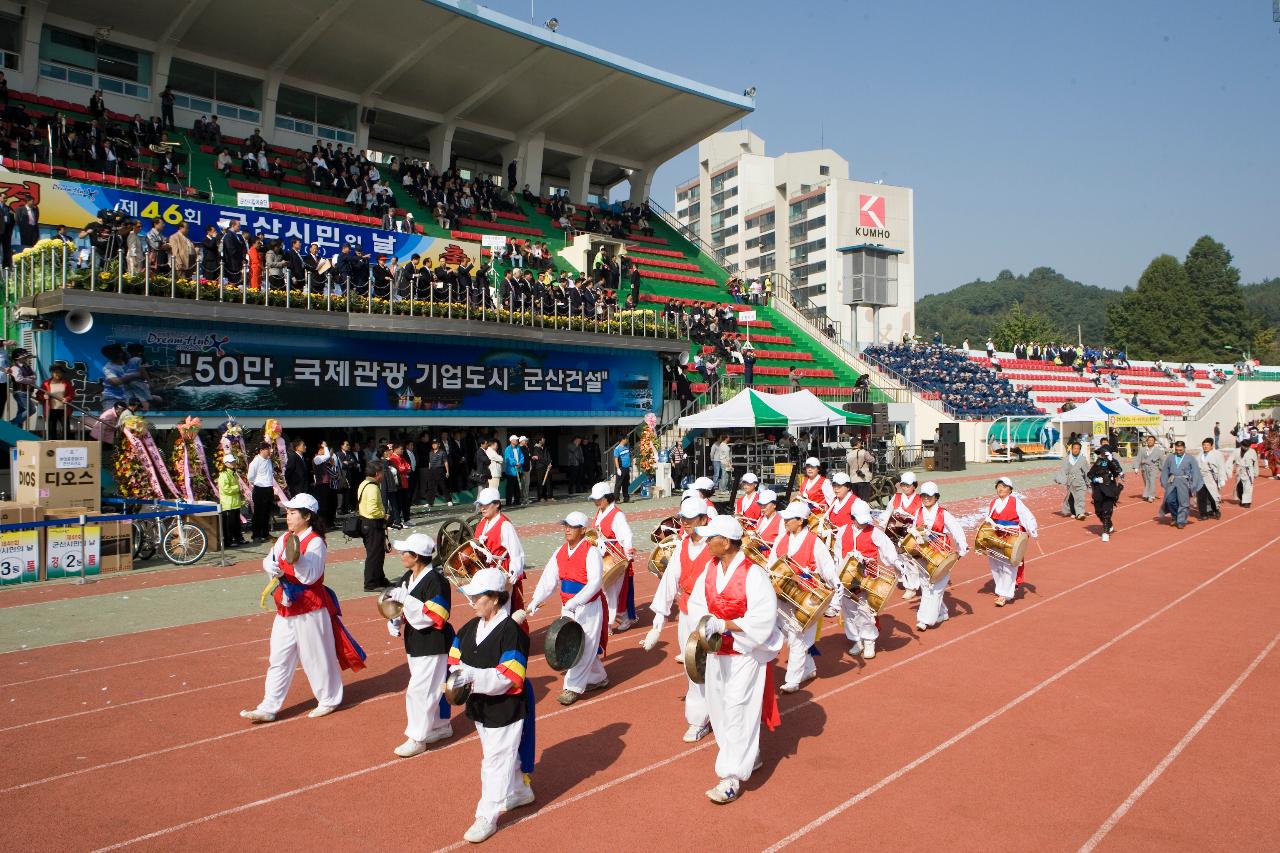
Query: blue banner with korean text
[{"x": 180, "y": 367}]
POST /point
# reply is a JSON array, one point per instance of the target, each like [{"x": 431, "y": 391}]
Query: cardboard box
[
  {"x": 211, "y": 523},
  {"x": 117, "y": 546},
  {"x": 21, "y": 552},
  {"x": 60, "y": 474}
]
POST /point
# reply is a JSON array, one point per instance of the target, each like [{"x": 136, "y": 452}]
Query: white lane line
[
  {"x": 1173, "y": 754},
  {"x": 1003, "y": 709}
]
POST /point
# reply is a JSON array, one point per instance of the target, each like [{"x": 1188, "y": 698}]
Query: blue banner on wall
[{"x": 181, "y": 367}]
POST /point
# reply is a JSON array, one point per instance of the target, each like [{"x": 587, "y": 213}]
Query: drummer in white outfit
[
  {"x": 1007, "y": 511},
  {"x": 933, "y": 610},
  {"x": 676, "y": 587},
  {"x": 615, "y": 535},
  {"x": 872, "y": 543},
  {"x": 905, "y": 502},
  {"x": 810, "y": 556},
  {"x": 705, "y": 488},
  {"x": 575, "y": 568}
]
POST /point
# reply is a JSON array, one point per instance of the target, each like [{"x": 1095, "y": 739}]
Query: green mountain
[
  {"x": 1262, "y": 300},
  {"x": 972, "y": 310}
]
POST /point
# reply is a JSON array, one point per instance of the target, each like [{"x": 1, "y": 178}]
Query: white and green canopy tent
[{"x": 749, "y": 408}]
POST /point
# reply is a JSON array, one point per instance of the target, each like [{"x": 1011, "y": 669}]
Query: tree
[
  {"x": 1017, "y": 326},
  {"x": 1159, "y": 319},
  {"x": 1216, "y": 285}
]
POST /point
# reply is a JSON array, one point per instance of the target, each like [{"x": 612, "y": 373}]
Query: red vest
[
  {"x": 814, "y": 494},
  {"x": 1006, "y": 517},
  {"x": 690, "y": 568},
  {"x": 768, "y": 531},
  {"x": 751, "y": 510},
  {"x": 573, "y": 569},
  {"x": 908, "y": 506},
  {"x": 939, "y": 526},
  {"x": 604, "y": 523},
  {"x": 493, "y": 539},
  {"x": 313, "y": 598},
  {"x": 841, "y": 516},
  {"x": 804, "y": 557},
  {"x": 861, "y": 542},
  {"x": 731, "y": 602}
]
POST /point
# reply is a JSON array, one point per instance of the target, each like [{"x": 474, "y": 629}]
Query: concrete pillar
[
  {"x": 362, "y": 129},
  {"x": 32, "y": 25},
  {"x": 160, "y": 62},
  {"x": 529, "y": 167},
  {"x": 641, "y": 181},
  {"x": 440, "y": 141},
  {"x": 580, "y": 178},
  {"x": 270, "y": 94}
]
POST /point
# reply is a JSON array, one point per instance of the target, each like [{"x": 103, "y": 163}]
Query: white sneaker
[
  {"x": 908, "y": 594},
  {"x": 832, "y": 612},
  {"x": 450, "y": 503},
  {"x": 322, "y": 711},
  {"x": 623, "y": 624},
  {"x": 856, "y": 648},
  {"x": 696, "y": 733},
  {"x": 725, "y": 791},
  {"x": 410, "y": 748},
  {"x": 518, "y": 800},
  {"x": 480, "y": 830},
  {"x": 439, "y": 734},
  {"x": 789, "y": 688},
  {"x": 920, "y": 626},
  {"x": 258, "y": 716},
  {"x": 1106, "y": 537},
  {"x": 868, "y": 649}
]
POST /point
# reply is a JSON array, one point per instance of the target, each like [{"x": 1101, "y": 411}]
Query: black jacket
[{"x": 297, "y": 474}]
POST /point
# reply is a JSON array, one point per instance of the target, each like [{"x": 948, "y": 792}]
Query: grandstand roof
[{"x": 431, "y": 61}]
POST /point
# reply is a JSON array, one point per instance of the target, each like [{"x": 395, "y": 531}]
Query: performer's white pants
[
  {"x": 1244, "y": 490},
  {"x": 308, "y": 639},
  {"x": 695, "y": 697},
  {"x": 1004, "y": 575},
  {"x": 611, "y": 593},
  {"x": 908, "y": 572},
  {"x": 859, "y": 619},
  {"x": 590, "y": 668},
  {"x": 422, "y": 696},
  {"x": 933, "y": 609},
  {"x": 735, "y": 690},
  {"x": 799, "y": 664},
  {"x": 500, "y": 774}
]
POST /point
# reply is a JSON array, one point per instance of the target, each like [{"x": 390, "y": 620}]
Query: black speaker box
[
  {"x": 949, "y": 433},
  {"x": 949, "y": 457},
  {"x": 370, "y": 116}
]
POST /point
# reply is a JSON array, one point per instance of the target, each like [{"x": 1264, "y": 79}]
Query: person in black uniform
[
  {"x": 491, "y": 652},
  {"x": 1107, "y": 478},
  {"x": 428, "y": 636}
]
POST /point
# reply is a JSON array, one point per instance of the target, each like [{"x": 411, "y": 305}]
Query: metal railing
[
  {"x": 58, "y": 268},
  {"x": 716, "y": 255}
]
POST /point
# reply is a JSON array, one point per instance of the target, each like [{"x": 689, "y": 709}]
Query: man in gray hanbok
[
  {"x": 1072, "y": 475},
  {"x": 1148, "y": 461},
  {"x": 1245, "y": 463},
  {"x": 1180, "y": 477}
]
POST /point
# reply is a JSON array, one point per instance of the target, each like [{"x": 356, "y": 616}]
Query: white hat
[
  {"x": 722, "y": 525},
  {"x": 513, "y": 438},
  {"x": 575, "y": 519},
  {"x": 692, "y": 507},
  {"x": 416, "y": 543},
  {"x": 704, "y": 484},
  {"x": 929, "y": 488},
  {"x": 1006, "y": 481},
  {"x": 812, "y": 462},
  {"x": 862, "y": 513},
  {"x": 750, "y": 478},
  {"x": 600, "y": 490},
  {"x": 485, "y": 580},
  {"x": 908, "y": 477},
  {"x": 302, "y": 500},
  {"x": 795, "y": 510},
  {"x": 767, "y": 496},
  {"x": 524, "y": 438},
  {"x": 488, "y": 496},
  {"x": 840, "y": 478}
]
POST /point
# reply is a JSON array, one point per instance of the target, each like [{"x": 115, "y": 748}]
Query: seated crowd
[{"x": 968, "y": 389}]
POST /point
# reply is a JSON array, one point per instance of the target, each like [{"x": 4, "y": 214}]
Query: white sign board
[
  {"x": 71, "y": 457},
  {"x": 256, "y": 201},
  {"x": 493, "y": 241},
  {"x": 746, "y": 316},
  {"x": 62, "y": 551}
]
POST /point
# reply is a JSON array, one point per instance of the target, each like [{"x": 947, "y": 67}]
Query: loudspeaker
[
  {"x": 879, "y": 413},
  {"x": 948, "y": 433},
  {"x": 949, "y": 457},
  {"x": 370, "y": 116}
]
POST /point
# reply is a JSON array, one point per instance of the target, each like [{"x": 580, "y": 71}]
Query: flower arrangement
[
  {"x": 646, "y": 450},
  {"x": 273, "y": 434},
  {"x": 190, "y": 465},
  {"x": 138, "y": 466}
]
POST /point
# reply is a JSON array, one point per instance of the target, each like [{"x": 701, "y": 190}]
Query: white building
[{"x": 792, "y": 215}]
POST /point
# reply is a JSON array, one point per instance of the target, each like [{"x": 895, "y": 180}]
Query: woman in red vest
[
  {"x": 304, "y": 629},
  {"x": 904, "y": 505},
  {"x": 944, "y": 531},
  {"x": 498, "y": 535},
  {"x": 686, "y": 566},
  {"x": 816, "y": 489},
  {"x": 742, "y": 607},
  {"x": 615, "y": 536},
  {"x": 575, "y": 568},
  {"x": 872, "y": 544},
  {"x": 746, "y": 507},
  {"x": 1008, "y": 512},
  {"x": 812, "y": 559},
  {"x": 769, "y": 526}
]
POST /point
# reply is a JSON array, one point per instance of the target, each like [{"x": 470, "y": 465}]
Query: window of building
[
  {"x": 10, "y": 42},
  {"x": 315, "y": 115},
  {"x": 824, "y": 170},
  {"x": 216, "y": 84},
  {"x": 86, "y": 61}
]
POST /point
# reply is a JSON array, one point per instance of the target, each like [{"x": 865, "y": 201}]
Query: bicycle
[{"x": 181, "y": 542}]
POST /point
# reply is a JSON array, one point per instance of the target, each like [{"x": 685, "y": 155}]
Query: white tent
[
  {"x": 751, "y": 408},
  {"x": 1113, "y": 413}
]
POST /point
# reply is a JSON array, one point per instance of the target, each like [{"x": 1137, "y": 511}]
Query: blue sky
[{"x": 1088, "y": 136}]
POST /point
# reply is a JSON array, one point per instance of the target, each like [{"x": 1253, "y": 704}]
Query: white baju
[
  {"x": 1003, "y": 573},
  {"x": 859, "y": 618},
  {"x": 585, "y": 609},
  {"x": 624, "y": 541},
  {"x": 933, "y": 610},
  {"x": 510, "y": 540},
  {"x": 909, "y": 574},
  {"x": 800, "y": 665},
  {"x": 664, "y": 598},
  {"x": 735, "y": 684},
  {"x": 500, "y": 774},
  {"x": 1245, "y": 467},
  {"x": 306, "y": 638},
  {"x": 426, "y": 673}
]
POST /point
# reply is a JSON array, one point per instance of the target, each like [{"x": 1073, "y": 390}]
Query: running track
[{"x": 1125, "y": 701}]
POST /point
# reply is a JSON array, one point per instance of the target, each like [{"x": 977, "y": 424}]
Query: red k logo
[{"x": 871, "y": 211}]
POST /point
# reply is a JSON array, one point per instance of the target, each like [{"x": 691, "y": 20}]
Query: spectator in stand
[
  {"x": 968, "y": 389},
  {"x": 748, "y": 366}
]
